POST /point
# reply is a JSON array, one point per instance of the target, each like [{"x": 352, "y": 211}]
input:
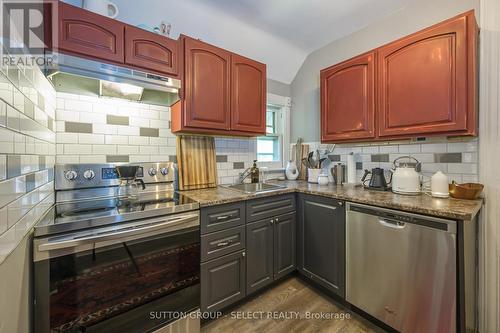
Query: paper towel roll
[{"x": 351, "y": 169}]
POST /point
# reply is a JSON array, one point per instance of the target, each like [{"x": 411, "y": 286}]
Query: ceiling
[
  {"x": 280, "y": 33},
  {"x": 309, "y": 25}
]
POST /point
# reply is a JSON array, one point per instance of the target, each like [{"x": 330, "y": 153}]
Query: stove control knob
[
  {"x": 89, "y": 174},
  {"x": 164, "y": 171},
  {"x": 70, "y": 175},
  {"x": 152, "y": 172}
]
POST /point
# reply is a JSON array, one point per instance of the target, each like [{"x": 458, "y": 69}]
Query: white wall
[{"x": 305, "y": 86}]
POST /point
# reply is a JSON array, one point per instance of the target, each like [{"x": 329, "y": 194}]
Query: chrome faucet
[{"x": 244, "y": 175}]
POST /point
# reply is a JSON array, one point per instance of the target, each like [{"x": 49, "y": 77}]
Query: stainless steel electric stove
[{"x": 105, "y": 262}]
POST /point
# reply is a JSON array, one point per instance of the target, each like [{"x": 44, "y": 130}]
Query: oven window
[{"x": 88, "y": 289}]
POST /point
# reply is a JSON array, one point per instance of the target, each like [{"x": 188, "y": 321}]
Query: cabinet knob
[
  {"x": 243, "y": 254},
  {"x": 277, "y": 220},
  {"x": 272, "y": 221},
  {"x": 341, "y": 203}
]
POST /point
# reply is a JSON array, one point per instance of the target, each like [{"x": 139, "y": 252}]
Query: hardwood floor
[{"x": 292, "y": 298}]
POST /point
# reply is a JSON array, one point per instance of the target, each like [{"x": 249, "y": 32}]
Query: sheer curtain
[{"x": 489, "y": 157}]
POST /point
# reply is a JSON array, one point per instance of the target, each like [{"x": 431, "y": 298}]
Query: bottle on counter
[{"x": 254, "y": 172}]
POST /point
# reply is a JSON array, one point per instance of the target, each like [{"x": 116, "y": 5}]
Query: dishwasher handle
[{"x": 392, "y": 224}]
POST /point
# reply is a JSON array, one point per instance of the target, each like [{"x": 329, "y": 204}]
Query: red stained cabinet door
[
  {"x": 151, "y": 51},
  {"x": 90, "y": 34},
  {"x": 426, "y": 81},
  {"x": 207, "y": 86},
  {"x": 248, "y": 95},
  {"x": 348, "y": 100}
]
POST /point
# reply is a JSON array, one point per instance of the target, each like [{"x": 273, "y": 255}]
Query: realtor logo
[{"x": 23, "y": 31}]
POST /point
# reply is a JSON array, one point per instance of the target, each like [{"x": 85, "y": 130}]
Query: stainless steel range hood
[{"x": 88, "y": 77}]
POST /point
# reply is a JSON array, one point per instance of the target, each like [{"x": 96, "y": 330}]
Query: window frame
[{"x": 283, "y": 104}]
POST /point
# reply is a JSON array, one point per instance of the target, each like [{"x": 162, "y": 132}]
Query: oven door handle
[{"x": 117, "y": 235}]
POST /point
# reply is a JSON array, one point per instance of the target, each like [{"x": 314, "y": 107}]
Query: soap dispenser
[{"x": 254, "y": 172}]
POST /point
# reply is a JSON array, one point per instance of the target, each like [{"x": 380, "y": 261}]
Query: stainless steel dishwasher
[{"x": 401, "y": 268}]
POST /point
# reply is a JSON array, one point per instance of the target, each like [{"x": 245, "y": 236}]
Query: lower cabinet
[
  {"x": 222, "y": 281},
  {"x": 321, "y": 241},
  {"x": 260, "y": 254},
  {"x": 270, "y": 250}
]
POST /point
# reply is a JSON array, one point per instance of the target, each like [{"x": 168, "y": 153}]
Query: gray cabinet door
[
  {"x": 222, "y": 281},
  {"x": 321, "y": 241},
  {"x": 284, "y": 245},
  {"x": 259, "y": 245}
]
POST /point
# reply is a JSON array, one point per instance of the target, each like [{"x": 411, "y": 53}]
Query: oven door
[{"x": 125, "y": 278}]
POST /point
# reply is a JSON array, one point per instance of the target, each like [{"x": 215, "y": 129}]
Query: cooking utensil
[
  {"x": 377, "y": 180},
  {"x": 127, "y": 171},
  {"x": 469, "y": 191},
  {"x": 406, "y": 176},
  {"x": 338, "y": 172},
  {"x": 298, "y": 153}
]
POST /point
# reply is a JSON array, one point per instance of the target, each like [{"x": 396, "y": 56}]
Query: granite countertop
[{"x": 422, "y": 204}]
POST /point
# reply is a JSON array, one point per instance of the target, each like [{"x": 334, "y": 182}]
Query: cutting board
[
  {"x": 303, "y": 169},
  {"x": 196, "y": 162}
]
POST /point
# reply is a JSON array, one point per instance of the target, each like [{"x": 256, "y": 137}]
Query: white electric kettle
[
  {"x": 102, "y": 7},
  {"x": 406, "y": 176}
]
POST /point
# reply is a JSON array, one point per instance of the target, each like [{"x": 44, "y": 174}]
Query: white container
[
  {"x": 351, "y": 169},
  {"x": 439, "y": 185},
  {"x": 291, "y": 171},
  {"x": 102, "y": 7},
  {"x": 312, "y": 175},
  {"x": 323, "y": 179}
]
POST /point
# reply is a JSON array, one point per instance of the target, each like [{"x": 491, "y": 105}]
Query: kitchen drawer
[
  {"x": 222, "y": 217},
  {"x": 222, "y": 242},
  {"x": 260, "y": 209}
]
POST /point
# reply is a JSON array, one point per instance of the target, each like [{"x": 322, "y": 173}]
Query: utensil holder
[{"x": 312, "y": 175}]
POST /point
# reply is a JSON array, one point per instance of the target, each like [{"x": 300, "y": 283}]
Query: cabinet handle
[
  {"x": 223, "y": 217},
  {"x": 341, "y": 203},
  {"x": 221, "y": 244}
]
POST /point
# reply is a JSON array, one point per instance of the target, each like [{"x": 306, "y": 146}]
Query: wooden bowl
[{"x": 469, "y": 191}]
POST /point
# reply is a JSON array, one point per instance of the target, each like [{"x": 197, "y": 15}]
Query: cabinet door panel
[
  {"x": 151, "y": 51},
  {"x": 321, "y": 241},
  {"x": 89, "y": 34},
  {"x": 248, "y": 95},
  {"x": 259, "y": 244},
  {"x": 284, "y": 245},
  {"x": 347, "y": 100},
  {"x": 222, "y": 281},
  {"x": 207, "y": 85},
  {"x": 423, "y": 82}
]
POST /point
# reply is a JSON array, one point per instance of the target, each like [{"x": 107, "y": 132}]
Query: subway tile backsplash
[
  {"x": 457, "y": 157},
  {"x": 120, "y": 131},
  {"x": 27, "y": 152}
]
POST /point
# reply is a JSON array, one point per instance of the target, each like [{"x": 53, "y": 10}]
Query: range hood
[{"x": 88, "y": 77}]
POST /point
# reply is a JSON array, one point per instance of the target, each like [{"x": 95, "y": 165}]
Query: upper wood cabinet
[
  {"x": 427, "y": 81},
  {"x": 223, "y": 93},
  {"x": 248, "y": 95},
  {"x": 89, "y": 34},
  {"x": 151, "y": 51},
  {"x": 348, "y": 99},
  {"x": 421, "y": 85},
  {"x": 94, "y": 36},
  {"x": 206, "y": 86}
]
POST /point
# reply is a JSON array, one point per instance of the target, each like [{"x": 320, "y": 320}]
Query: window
[{"x": 270, "y": 147}]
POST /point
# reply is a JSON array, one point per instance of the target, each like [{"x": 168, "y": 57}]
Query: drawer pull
[
  {"x": 223, "y": 217},
  {"x": 221, "y": 244}
]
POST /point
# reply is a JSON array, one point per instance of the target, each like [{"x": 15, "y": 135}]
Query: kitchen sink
[{"x": 255, "y": 187}]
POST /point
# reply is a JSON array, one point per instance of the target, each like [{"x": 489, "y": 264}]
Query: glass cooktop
[{"x": 82, "y": 214}]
